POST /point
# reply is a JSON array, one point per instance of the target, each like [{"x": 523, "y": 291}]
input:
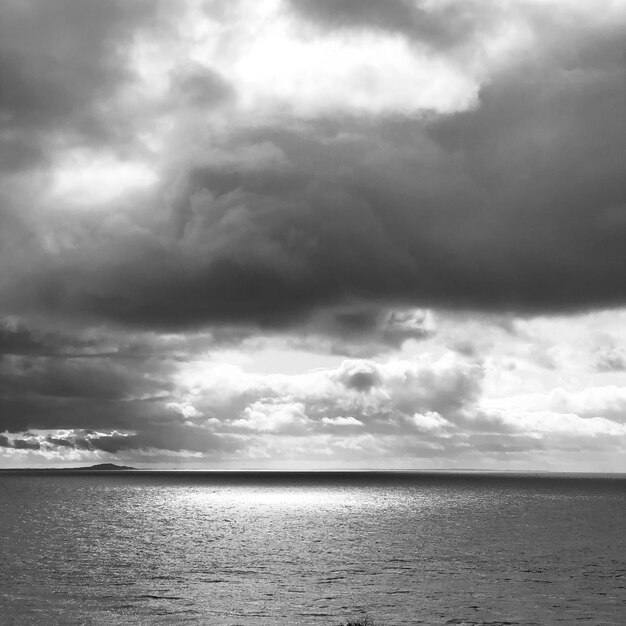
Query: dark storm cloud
[
  {"x": 201, "y": 86},
  {"x": 47, "y": 384},
  {"x": 62, "y": 65},
  {"x": 26, "y": 444},
  {"x": 141, "y": 425},
  {"x": 59, "y": 60},
  {"x": 54, "y": 380},
  {"x": 171, "y": 437},
  {"x": 15, "y": 339},
  {"x": 516, "y": 205},
  {"x": 378, "y": 328},
  {"x": 18, "y": 339},
  {"x": 76, "y": 378},
  {"x": 360, "y": 331},
  {"x": 441, "y": 26},
  {"x": 21, "y": 411}
]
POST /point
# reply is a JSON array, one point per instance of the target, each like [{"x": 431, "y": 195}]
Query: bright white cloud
[
  {"x": 278, "y": 64},
  {"x": 441, "y": 399},
  {"x": 86, "y": 179},
  {"x": 341, "y": 421},
  {"x": 430, "y": 421}
]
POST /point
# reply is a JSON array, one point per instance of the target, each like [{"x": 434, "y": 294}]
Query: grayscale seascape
[
  {"x": 311, "y": 548},
  {"x": 313, "y": 312}
]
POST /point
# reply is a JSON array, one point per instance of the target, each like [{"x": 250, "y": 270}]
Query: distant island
[
  {"x": 100, "y": 467},
  {"x": 106, "y": 467}
]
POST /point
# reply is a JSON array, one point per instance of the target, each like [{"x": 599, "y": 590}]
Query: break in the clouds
[{"x": 263, "y": 232}]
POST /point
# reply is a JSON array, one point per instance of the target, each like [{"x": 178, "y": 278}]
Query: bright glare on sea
[{"x": 260, "y": 549}]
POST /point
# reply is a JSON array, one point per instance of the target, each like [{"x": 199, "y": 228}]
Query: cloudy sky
[{"x": 313, "y": 233}]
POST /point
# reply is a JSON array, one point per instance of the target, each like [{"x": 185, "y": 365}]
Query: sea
[{"x": 327, "y": 548}]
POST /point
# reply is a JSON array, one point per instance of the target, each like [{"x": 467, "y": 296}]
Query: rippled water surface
[{"x": 258, "y": 549}]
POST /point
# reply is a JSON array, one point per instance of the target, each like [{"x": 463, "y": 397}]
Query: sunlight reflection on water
[
  {"x": 279, "y": 498},
  {"x": 149, "y": 549}
]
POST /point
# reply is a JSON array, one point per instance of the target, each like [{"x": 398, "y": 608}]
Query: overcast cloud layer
[{"x": 354, "y": 233}]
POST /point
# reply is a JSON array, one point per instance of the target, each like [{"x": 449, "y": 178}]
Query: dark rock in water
[{"x": 107, "y": 466}]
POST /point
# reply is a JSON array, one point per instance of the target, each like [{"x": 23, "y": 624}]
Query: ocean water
[{"x": 315, "y": 548}]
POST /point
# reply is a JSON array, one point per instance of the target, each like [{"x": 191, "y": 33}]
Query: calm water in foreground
[{"x": 258, "y": 549}]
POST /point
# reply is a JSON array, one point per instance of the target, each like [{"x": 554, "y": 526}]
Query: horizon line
[{"x": 125, "y": 469}]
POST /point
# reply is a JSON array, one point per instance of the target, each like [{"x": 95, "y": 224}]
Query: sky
[{"x": 297, "y": 234}]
